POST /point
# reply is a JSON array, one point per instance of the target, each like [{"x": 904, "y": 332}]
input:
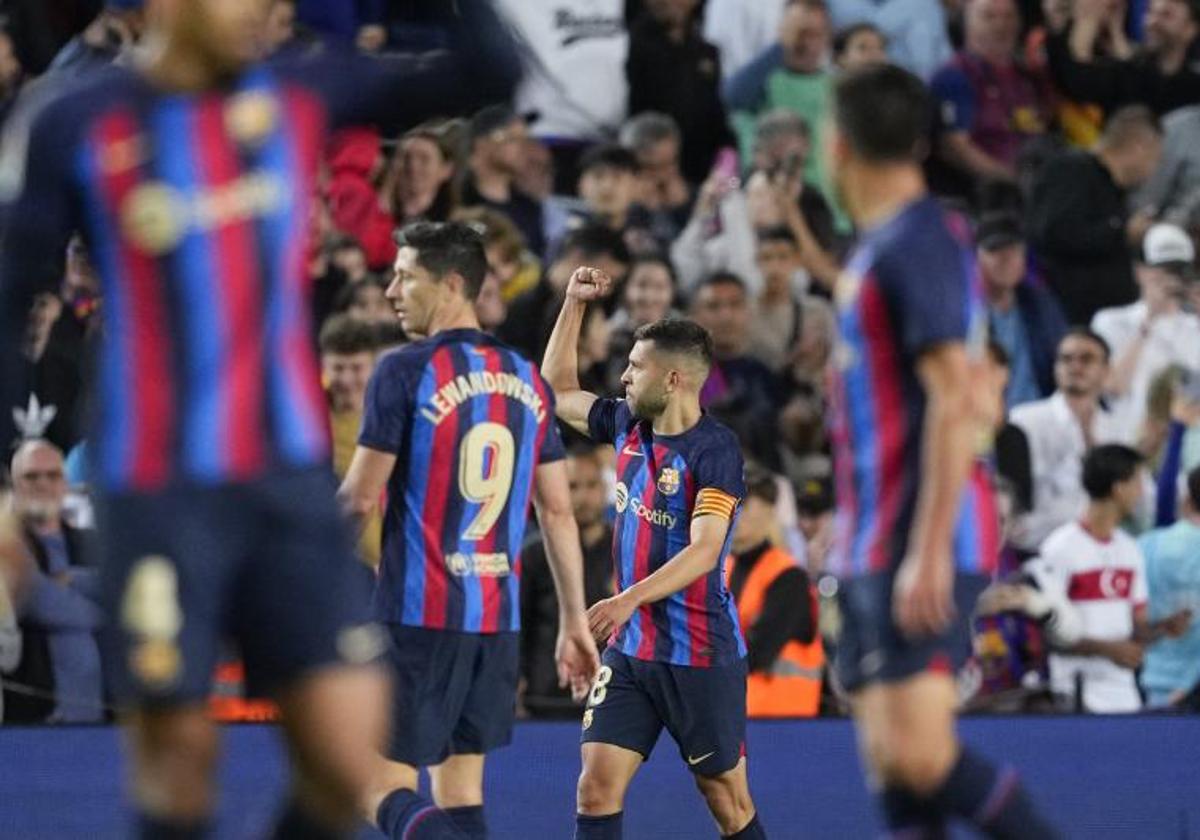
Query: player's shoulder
[
  {"x": 403, "y": 360},
  {"x": 924, "y": 237},
  {"x": 711, "y": 435}
]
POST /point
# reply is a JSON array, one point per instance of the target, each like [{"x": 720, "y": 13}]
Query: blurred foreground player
[
  {"x": 916, "y": 524},
  {"x": 460, "y": 430},
  {"x": 676, "y": 657},
  {"x": 191, "y": 175}
]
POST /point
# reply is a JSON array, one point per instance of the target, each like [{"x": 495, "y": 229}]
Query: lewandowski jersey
[
  {"x": 910, "y": 285},
  {"x": 470, "y": 420},
  {"x": 663, "y": 481},
  {"x": 196, "y": 211}
]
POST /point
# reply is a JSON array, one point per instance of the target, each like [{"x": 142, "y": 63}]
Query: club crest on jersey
[
  {"x": 668, "y": 481},
  {"x": 250, "y": 117}
]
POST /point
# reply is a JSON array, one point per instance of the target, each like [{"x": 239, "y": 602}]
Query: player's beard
[{"x": 649, "y": 406}]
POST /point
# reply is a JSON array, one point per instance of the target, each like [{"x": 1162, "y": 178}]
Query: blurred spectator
[
  {"x": 991, "y": 104},
  {"x": 776, "y": 311},
  {"x": 60, "y": 672},
  {"x": 1079, "y": 123},
  {"x": 913, "y": 31},
  {"x": 673, "y": 70},
  {"x": 1172, "y": 666},
  {"x": 420, "y": 183},
  {"x": 608, "y": 185},
  {"x": 531, "y": 315},
  {"x": 741, "y": 30},
  {"x": 10, "y": 639},
  {"x": 1078, "y": 218},
  {"x": 859, "y": 45},
  {"x": 279, "y": 30},
  {"x": 648, "y": 296},
  {"x": 774, "y": 200},
  {"x": 1153, "y": 334},
  {"x": 1103, "y": 573},
  {"x": 1023, "y": 317},
  {"x": 741, "y": 391},
  {"x": 1173, "y": 193},
  {"x": 490, "y": 308},
  {"x": 792, "y": 75},
  {"x": 111, "y": 35},
  {"x": 12, "y": 74},
  {"x": 574, "y": 78},
  {"x": 515, "y": 268},
  {"x": 654, "y": 140},
  {"x": 496, "y": 143},
  {"x": 1163, "y": 74},
  {"x": 1016, "y": 622},
  {"x": 355, "y": 162},
  {"x": 541, "y": 695},
  {"x": 1055, "y": 434},
  {"x": 347, "y": 358},
  {"x": 335, "y": 264},
  {"x": 777, "y": 610},
  {"x": 366, "y": 300},
  {"x": 536, "y": 175},
  {"x": 718, "y": 236}
]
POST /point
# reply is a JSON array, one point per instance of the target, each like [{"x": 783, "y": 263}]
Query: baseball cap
[
  {"x": 489, "y": 119},
  {"x": 815, "y": 496},
  {"x": 1168, "y": 246},
  {"x": 998, "y": 230}
]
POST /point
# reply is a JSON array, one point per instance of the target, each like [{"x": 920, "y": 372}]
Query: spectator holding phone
[{"x": 1154, "y": 333}]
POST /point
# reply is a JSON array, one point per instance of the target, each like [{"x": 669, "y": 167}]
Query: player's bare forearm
[
  {"x": 950, "y": 436},
  {"x": 560, "y": 366},
  {"x": 363, "y": 485},
  {"x": 561, "y": 535}
]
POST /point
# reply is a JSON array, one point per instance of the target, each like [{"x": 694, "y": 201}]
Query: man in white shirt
[
  {"x": 1104, "y": 574},
  {"x": 741, "y": 30},
  {"x": 1057, "y": 431},
  {"x": 1155, "y": 333}
]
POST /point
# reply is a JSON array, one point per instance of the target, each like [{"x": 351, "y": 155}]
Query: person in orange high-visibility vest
[{"x": 777, "y": 608}]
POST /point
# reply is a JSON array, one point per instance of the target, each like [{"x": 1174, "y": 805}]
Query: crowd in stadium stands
[{"x": 678, "y": 145}]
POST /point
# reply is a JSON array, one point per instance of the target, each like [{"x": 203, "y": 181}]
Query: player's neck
[
  {"x": 459, "y": 318},
  {"x": 1101, "y": 519},
  {"x": 678, "y": 417},
  {"x": 875, "y": 194},
  {"x": 173, "y": 67}
]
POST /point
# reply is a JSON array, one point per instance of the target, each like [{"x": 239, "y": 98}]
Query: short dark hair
[
  {"x": 885, "y": 114},
  {"x": 843, "y": 37},
  {"x": 1106, "y": 466},
  {"x": 443, "y": 247},
  {"x": 594, "y": 240},
  {"x": 678, "y": 335},
  {"x": 1089, "y": 334},
  {"x": 609, "y": 156},
  {"x": 1128, "y": 124},
  {"x": 721, "y": 278},
  {"x": 776, "y": 233},
  {"x": 345, "y": 335}
]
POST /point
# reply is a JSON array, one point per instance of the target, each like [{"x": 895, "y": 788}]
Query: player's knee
[
  {"x": 918, "y": 767},
  {"x": 598, "y": 793},
  {"x": 176, "y": 759}
]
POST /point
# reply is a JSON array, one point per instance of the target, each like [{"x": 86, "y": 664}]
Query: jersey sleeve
[
  {"x": 552, "y": 443},
  {"x": 720, "y": 482},
  {"x": 929, "y": 298},
  {"x": 606, "y": 419},
  {"x": 387, "y": 405},
  {"x": 955, "y": 100}
]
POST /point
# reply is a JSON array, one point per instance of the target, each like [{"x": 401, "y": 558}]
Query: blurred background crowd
[{"x": 677, "y": 144}]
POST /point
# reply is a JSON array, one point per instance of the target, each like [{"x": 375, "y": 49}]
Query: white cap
[{"x": 1165, "y": 244}]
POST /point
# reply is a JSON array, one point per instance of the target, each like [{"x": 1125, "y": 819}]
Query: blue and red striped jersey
[
  {"x": 469, "y": 420},
  {"x": 663, "y": 482},
  {"x": 197, "y": 211},
  {"x": 911, "y": 284}
]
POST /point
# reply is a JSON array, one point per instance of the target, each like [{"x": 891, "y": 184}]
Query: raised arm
[{"x": 560, "y": 366}]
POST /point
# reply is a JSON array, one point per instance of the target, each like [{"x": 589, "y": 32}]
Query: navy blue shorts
[
  {"x": 872, "y": 649},
  {"x": 266, "y": 565},
  {"x": 455, "y": 693},
  {"x": 704, "y": 709}
]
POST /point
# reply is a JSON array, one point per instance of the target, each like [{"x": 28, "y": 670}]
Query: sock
[
  {"x": 994, "y": 802},
  {"x": 752, "y": 831},
  {"x": 598, "y": 828},
  {"x": 295, "y": 823},
  {"x": 164, "y": 828},
  {"x": 910, "y": 817},
  {"x": 406, "y": 815},
  {"x": 469, "y": 821}
]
